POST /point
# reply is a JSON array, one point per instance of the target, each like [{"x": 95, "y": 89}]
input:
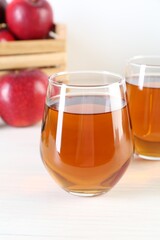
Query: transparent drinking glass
[
  {"x": 86, "y": 142},
  {"x": 143, "y": 91}
]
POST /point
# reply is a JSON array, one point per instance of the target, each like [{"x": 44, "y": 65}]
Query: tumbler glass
[
  {"x": 143, "y": 91},
  {"x": 86, "y": 142}
]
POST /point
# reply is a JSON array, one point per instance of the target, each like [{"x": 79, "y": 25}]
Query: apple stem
[
  {"x": 34, "y": 1},
  {"x": 3, "y": 25}
]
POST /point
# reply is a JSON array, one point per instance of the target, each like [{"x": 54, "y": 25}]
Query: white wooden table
[{"x": 33, "y": 207}]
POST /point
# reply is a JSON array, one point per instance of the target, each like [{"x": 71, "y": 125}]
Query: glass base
[
  {"x": 150, "y": 158},
  {"x": 86, "y": 193},
  {"x": 148, "y": 150}
]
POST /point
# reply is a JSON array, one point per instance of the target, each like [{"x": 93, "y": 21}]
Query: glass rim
[
  {"x": 134, "y": 64},
  {"x": 52, "y": 81}
]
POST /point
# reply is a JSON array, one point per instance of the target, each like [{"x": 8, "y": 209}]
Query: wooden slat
[
  {"x": 32, "y": 60},
  {"x": 32, "y": 46},
  {"x": 61, "y": 31},
  {"x": 37, "y": 46},
  {"x": 50, "y": 71}
]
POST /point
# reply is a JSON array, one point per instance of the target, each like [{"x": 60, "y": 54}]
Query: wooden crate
[{"x": 48, "y": 54}]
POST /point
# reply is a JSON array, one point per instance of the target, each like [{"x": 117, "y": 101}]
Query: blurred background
[{"x": 103, "y": 34}]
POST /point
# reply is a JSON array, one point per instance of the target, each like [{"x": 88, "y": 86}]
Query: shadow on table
[{"x": 142, "y": 178}]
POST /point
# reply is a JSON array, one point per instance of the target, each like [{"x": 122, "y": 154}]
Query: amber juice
[
  {"x": 87, "y": 145},
  {"x": 144, "y": 108}
]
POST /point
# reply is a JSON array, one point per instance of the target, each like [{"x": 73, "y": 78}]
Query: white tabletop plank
[{"x": 33, "y": 207}]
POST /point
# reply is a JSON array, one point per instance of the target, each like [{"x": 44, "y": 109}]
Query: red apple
[
  {"x": 29, "y": 19},
  {"x": 6, "y": 35},
  {"x": 3, "y": 5},
  {"x": 22, "y": 96}
]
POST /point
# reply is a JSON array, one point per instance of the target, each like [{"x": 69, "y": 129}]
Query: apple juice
[
  {"x": 86, "y": 145},
  {"x": 145, "y": 112}
]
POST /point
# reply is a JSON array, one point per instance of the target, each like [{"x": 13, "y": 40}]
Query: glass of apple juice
[
  {"x": 86, "y": 142},
  {"x": 143, "y": 93}
]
